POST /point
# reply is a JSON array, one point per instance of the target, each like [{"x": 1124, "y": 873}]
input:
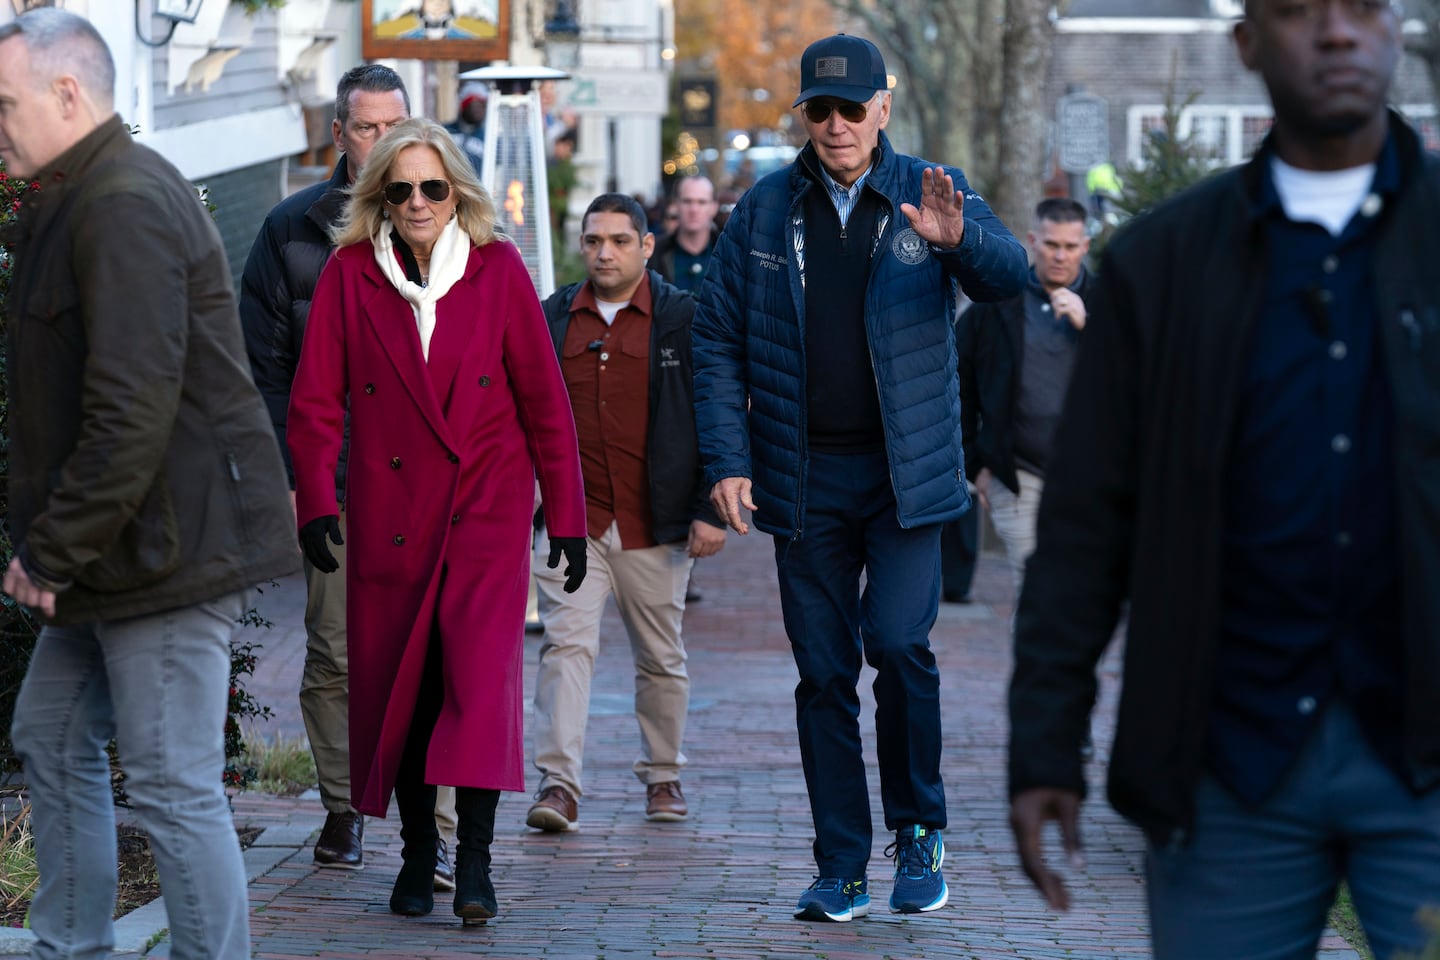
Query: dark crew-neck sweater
[{"x": 842, "y": 403}]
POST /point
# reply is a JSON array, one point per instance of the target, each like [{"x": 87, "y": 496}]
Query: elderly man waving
[{"x": 827, "y": 402}]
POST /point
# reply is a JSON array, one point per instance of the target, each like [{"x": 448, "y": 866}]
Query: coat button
[
  {"x": 455, "y": 519},
  {"x": 399, "y": 539},
  {"x": 369, "y": 388},
  {"x": 394, "y": 463},
  {"x": 454, "y": 459},
  {"x": 484, "y": 381}
]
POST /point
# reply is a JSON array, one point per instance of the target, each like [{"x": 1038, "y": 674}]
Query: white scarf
[{"x": 447, "y": 265}]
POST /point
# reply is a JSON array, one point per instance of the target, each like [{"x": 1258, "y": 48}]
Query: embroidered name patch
[
  {"x": 770, "y": 261},
  {"x": 909, "y": 248}
]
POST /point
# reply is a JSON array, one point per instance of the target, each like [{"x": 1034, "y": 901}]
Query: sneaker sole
[
  {"x": 813, "y": 911},
  {"x": 939, "y": 902},
  {"x": 666, "y": 817},
  {"x": 550, "y": 821}
]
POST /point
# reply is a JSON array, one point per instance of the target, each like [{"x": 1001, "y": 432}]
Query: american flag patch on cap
[{"x": 826, "y": 67}]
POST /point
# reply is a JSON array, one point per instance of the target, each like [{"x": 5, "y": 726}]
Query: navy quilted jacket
[{"x": 749, "y": 334}]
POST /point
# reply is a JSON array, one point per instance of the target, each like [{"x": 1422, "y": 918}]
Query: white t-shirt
[
  {"x": 609, "y": 309},
  {"x": 1327, "y": 197}
]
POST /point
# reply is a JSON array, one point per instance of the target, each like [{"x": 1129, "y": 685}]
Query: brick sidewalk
[{"x": 722, "y": 884}]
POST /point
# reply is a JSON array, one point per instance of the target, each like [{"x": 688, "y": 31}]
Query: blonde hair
[{"x": 364, "y": 215}]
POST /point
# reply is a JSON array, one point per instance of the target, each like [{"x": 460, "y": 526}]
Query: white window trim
[
  {"x": 1181, "y": 26},
  {"x": 1235, "y": 116}
]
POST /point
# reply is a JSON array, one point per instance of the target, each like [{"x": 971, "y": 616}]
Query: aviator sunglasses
[
  {"x": 398, "y": 191},
  {"x": 818, "y": 110}
]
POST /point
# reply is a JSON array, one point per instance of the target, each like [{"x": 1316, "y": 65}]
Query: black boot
[
  {"x": 414, "y": 894},
  {"x": 475, "y": 821}
]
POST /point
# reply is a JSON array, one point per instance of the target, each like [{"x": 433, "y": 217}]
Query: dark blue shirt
[
  {"x": 1048, "y": 355},
  {"x": 690, "y": 267},
  {"x": 1310, "y": 596}
]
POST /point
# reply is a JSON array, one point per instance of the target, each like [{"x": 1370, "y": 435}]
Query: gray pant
[
  {"x": 158, "y": 685},
  {"x": 1014, "y": 515}
]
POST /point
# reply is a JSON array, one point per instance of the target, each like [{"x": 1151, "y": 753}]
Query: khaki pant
[
  {"x": 325, "y": 692},
  {"x": 1014, "y": 516},
  {"x": 325, "y": 681},
  {"x": 649, "y": 589}
]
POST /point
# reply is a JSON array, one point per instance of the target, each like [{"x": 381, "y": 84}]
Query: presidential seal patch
[{"x": 909, "y": 248}]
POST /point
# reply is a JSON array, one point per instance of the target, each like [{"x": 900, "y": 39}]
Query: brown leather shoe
[
  {"x": 554, "y": 812},
  {"x": 664, "y": 802},
  {"x": 444, "y": 873},
  {"x": 341, "y": 845}
]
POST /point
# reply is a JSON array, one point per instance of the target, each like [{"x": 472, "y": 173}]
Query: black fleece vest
[{"x": 842, "y": 402}]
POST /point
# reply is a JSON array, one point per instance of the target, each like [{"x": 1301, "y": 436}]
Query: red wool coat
[{"x": 443, "y": 461}]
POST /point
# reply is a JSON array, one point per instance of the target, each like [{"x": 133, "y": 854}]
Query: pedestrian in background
[
  {"x": 146, "y": 495},
  {"x": 827, "y": 402},
  {"x": 959, "y": 553},
  {"x": 623, "y": 339},
  {"x": 426, "y": 319},
  {"x": 468, "y": 128},
  {"x": 1015, "y": 362},
  {"x": 683, "y": 254},
  {"x": 561, "y": 178},
  {"x": 1250, "y": 460},
  {"x": 276, "y": 290}
]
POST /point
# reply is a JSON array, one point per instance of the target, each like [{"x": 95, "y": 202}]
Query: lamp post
[
  {"x": 562, "y": 36},
  {"x": 513, "y": 167}
]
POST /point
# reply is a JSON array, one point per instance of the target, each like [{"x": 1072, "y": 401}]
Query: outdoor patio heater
[{"x": 513, "y": 167}]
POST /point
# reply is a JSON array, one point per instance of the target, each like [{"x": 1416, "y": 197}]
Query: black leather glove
[
  {"x": 574, "y": 550},
  {"x": 312, "y": 542}
]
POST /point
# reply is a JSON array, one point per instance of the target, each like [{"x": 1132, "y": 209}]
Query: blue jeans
[
  {"x": 850, "y": 527},
  {"x": 1257, "y": 882},
  {"x": 157, "y": 684}
]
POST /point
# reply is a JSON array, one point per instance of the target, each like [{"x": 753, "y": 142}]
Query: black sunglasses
[
  {"x": 818, "y": 110},
  {"x": 398, "y": 191}
]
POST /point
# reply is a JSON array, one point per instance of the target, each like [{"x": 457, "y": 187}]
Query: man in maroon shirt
[{"x": 623, "y": 337}]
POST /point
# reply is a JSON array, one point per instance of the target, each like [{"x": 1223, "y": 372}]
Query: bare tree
[
  {"x": 1024, "y": 119},
  {"x": 972, "y": 74},
  {"x": 931, "y": 47},
  {"x": 985, "y": 126}
]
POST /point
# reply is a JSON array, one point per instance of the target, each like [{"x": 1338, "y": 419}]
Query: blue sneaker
[
  {"x": 919, "y": 885},
  {"x": 834, "y": 899}
]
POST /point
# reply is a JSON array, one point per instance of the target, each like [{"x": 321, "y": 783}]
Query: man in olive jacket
[{"x": 147, "y": 498}]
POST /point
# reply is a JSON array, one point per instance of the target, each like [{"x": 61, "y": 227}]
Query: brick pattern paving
[{"x": 722, "y": 884}]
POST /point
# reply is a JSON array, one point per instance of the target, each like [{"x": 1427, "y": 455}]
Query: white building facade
[{"x": 231, "y": 97}]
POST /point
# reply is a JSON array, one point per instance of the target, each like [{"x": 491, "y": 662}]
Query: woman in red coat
[{"x": 426, "y": 328}]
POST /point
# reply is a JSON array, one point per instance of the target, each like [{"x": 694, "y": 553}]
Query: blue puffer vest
[{"x": 749, "y": 334}]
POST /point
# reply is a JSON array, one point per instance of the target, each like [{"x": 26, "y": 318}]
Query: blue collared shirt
[
  {"x": 1310, "y": 596},
  {"x": 844, "y": 197}
]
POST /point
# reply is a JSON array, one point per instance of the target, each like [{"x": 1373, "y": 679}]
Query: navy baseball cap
[{"x": 842, "y": 66}]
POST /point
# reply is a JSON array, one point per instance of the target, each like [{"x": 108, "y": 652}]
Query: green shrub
[{"x": 284, "y": 765}]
